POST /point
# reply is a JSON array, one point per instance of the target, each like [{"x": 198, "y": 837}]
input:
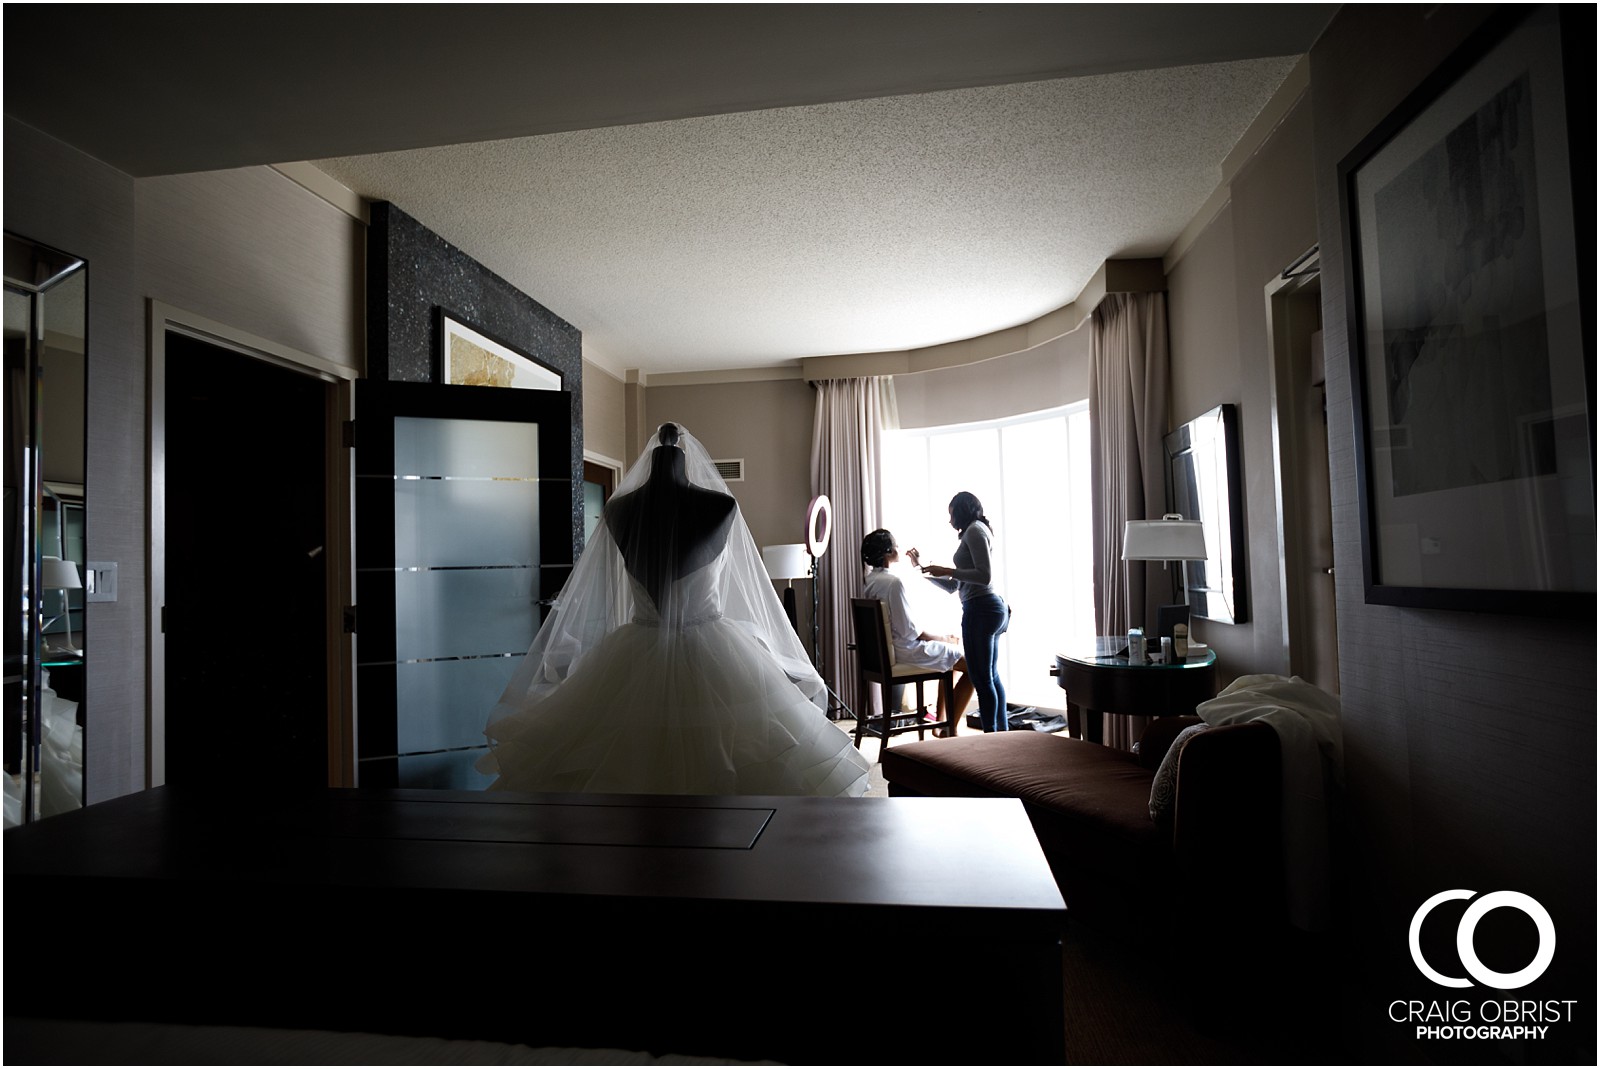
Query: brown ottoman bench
[{"x": 1090, "y": 808}]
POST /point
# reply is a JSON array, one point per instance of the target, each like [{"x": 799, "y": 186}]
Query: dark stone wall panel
[{"x": 413, "y": 272}]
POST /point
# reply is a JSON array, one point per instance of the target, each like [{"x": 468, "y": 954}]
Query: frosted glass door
[{"x": 456, "y": 598}]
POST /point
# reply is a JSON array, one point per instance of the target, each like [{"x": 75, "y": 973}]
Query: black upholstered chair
[{"x": 875, "y": 663}]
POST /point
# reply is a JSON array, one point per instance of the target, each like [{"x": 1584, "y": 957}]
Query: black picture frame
[{"x": 1471, "y": 321}]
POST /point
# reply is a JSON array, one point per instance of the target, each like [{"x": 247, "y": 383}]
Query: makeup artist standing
[{"x": 984, "y": 613}]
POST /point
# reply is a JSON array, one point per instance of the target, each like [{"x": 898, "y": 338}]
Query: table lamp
[
  {"x": 1168, "y": 539},
  {"x": 62, "y": 575},
  {"x": 788, "y": 562}
]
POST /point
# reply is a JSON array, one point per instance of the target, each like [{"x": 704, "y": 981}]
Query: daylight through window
[{"x": 1032, "y": 474}]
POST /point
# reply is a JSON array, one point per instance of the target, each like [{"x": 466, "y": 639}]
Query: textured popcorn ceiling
[
  {"x": 755, "y": 238},
  {"x": 699, "y": 186}
]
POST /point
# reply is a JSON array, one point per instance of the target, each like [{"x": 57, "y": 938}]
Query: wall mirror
[
  {"x": 1203, "y": 468},
  {"x": 46, "y": 644}
]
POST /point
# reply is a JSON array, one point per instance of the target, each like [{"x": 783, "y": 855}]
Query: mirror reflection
[
  {"x": 1203, "y": 474},
  {"x": 45, "y": 523}
]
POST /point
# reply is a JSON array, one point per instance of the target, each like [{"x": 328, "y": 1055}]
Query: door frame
[
  {"x": 1288, "y": 342},
  {"x": 600, "y": 459},
  {"x": 611, "y": 467},
  {"x": 339, "y": 401}
]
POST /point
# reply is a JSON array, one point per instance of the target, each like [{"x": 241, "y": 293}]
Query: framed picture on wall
[
  {"x": 1472, "y": 334},
  {"x": 469, "y": 357}
]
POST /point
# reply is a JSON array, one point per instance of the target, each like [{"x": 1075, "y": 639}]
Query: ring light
[{"x": 819, "y": 525}]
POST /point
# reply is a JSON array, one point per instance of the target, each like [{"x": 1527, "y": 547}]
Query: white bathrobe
[{"x": 1310, "y": 742}]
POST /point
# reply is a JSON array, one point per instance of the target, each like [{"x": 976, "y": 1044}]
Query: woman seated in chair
[{"x": 911, "y": 644}]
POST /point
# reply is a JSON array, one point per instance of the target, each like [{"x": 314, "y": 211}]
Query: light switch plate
[{"x": 101, "y": 580}]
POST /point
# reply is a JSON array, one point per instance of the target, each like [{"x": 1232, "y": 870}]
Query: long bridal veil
[{"x": 715, "y": 668}]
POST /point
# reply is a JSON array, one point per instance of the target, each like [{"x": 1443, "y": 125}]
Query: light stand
[{"x": 819, "y": 531}]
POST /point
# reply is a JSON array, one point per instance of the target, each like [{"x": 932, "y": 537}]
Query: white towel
[{"x": 1309, "y": 740}]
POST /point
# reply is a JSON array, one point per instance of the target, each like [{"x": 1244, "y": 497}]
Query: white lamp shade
[
  {"x": 789, "y": 561},
  {"x": 1164, "y": 540},
  {"x": 60, "y": 574}
]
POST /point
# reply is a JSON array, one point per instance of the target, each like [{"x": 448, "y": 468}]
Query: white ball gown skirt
[{"x": 709, "y": 712}]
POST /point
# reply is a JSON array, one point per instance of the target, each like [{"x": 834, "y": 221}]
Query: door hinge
[
  {"x": 349, "y": 619},
  {"x": 348, "y": 429}
]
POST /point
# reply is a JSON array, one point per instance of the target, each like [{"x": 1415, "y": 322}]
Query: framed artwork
[
  {"x": 469, "y": 357},
  {"x": 1471, "y": 334}
]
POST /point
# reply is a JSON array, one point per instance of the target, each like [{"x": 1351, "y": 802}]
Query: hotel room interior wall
[
  {"x": 1216, "y": 320},
  {"x": 1274, "y": 224},
  {"x": 1220, "y": 355},
  {"x": 1203, "y": 331},
  {"x": 257, "y": 252},
  {"x": 769, "y": 425},
  {"x": 604, "y": 414},
  {"x": 1046, "y": 376},
  {"x": 1469, "y": 738},
  {"x": 59, "y": 196},
  {"x": 635, "y": 421}
]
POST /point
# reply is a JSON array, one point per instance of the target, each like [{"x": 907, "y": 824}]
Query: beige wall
[
  {"x": 256, "y": 252},
  {"x": 63, "y": 409},
  {"x": 1203, "y": 323},
  {"x": 604, "y": 411},
  {"x": 1203, "y": 326},
  {"x": 769, "y": 425},
  {"x": 1046, "y": 376},
  {"x": 1220, "y": 355},
  {"x": 766, "y": 423},
  {"x": 1274, "y": 224}
]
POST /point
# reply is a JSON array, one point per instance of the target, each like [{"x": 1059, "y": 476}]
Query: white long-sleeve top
[{"x": 903, "y": 633}]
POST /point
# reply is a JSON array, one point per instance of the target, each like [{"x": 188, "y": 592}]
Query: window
[{"x": 1032, "y": 474}]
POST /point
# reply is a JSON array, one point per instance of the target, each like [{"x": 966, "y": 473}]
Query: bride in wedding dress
[{"x": 667, "y": 665}]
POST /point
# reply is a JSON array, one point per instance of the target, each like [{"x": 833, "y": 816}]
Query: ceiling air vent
[{"x": 732, "y": 471}]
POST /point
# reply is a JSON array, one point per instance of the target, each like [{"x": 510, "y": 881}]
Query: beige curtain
[
  {"x": 1128, "y": 370},
  {"x": 846, "y": 461}
]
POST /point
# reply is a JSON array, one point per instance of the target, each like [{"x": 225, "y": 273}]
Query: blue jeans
[{"x": 983, "y": 620}]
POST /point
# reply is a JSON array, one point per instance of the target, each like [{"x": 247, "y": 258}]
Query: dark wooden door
[{"x": 247, "y": 569}]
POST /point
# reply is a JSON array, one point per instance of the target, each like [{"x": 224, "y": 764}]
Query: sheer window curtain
[
  {"x": 846, "y": 464},
  {"x": 1128, "y": 372}
]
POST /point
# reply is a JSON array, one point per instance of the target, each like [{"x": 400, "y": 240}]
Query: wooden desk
[
  {"x": 1101, "y": 681},
  {"x": 737, "y": 927}
]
